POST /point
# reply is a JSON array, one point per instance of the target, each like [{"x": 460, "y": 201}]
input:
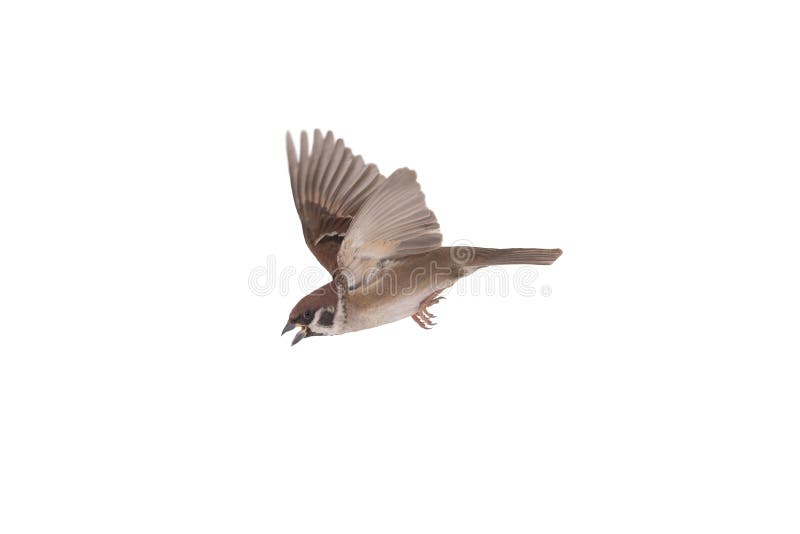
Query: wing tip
[{"x": 404, "y": 173}]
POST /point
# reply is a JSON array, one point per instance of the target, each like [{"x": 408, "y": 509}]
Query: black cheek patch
[{"x": 326, "y": 318}]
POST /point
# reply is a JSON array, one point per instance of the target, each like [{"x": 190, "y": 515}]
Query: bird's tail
[{"x": 484, "y": 257}]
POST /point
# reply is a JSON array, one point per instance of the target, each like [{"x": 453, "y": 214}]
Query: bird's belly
[
  {"x": 370, "y": 310},
  {"x": 398, "y": 291}
]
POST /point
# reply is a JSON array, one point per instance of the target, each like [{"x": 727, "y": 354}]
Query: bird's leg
[
  {"x": 419, "y": 322},
  {"x": 423, "y": 316}
]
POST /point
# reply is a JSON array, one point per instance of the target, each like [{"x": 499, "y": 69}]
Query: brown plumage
[
  {"x": 329, "y": 185},
  {"x": 379, "y": 241}
]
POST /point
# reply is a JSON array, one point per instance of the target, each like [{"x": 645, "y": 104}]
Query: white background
[{"x": 144, "y": 387}]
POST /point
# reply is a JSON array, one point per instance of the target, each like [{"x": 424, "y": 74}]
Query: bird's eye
[{"x": 307, "y": 315}]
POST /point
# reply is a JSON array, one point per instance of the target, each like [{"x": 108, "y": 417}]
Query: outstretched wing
[
  {"x": 393, "y": 222},
  {"x": 329, "y": 186}
]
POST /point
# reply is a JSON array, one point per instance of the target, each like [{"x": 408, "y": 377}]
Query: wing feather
[
  {"x": 392, "y": 222},
  {"x": 329, "y": 186}
]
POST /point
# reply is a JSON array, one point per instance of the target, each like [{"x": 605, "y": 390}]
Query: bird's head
[{"x": 315, "y": 314}]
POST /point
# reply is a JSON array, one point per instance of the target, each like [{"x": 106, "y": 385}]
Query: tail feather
[{"x": 484, "y": 257}]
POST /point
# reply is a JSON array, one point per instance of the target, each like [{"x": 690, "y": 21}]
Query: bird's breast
[{"x": 397, "y": 292}]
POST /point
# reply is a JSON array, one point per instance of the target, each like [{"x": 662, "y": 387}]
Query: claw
[
  {"x": 419, "y": 322},
  {"x": 423, "y": 316}
]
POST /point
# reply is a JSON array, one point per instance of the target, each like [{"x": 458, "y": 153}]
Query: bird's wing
[
  {"x": 329, "y": 186},
  {"x": 393, "y": 222}
]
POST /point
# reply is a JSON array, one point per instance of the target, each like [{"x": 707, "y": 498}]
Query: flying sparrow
[{"x": 379, "y": 241}]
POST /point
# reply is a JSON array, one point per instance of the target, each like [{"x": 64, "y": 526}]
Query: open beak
[
  {"x": 289, "y": 326},
  {"x": 303, "y": 333},
  {"x": 300, "y": 335}
]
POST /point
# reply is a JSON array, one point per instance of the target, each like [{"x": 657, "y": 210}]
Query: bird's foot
[{"x": 423, "y": 316}]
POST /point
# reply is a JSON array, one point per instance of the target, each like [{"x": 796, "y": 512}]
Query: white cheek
[{"x": 330, "y": 329}]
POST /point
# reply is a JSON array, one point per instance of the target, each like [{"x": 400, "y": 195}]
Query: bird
[{"x": 378, "y": 240}]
